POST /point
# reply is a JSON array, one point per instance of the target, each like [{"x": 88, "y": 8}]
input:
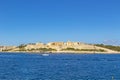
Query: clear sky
[{"x": 91, "y": 21}]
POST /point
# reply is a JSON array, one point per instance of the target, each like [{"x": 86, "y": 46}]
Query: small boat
[{"x": 45, "y": 54}]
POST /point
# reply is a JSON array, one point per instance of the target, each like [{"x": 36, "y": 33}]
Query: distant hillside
[
  {"x": 62, "y": 47},
  {"x": 111, "y": 47},
  {"x": 67, "y": 47}
]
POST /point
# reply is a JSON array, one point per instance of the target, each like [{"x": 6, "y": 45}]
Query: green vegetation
[
  {"x": 73, "y": 49},
  {"x": 46, "y": 49},
  {"x": 43, "y": 49},
  {"x": 97, "y": 50},
  {"x": 111, "y": 47},
  {"x": 70, "y": 49},
  {"x": 22, "y": 47},
  {"x": 6, "y": 50}
]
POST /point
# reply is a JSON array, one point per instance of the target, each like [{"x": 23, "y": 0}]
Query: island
[{"x": 62, "y": 47}]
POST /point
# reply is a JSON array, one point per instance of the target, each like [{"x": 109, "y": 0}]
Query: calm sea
[{"x": 59, "y": 66}]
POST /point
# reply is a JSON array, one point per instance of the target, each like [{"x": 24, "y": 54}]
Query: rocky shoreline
[{"x": 63, "y": 52}]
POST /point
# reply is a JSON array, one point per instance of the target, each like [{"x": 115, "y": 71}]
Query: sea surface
[{"x": 24, "y": 66}]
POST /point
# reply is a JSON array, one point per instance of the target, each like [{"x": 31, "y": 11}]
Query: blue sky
[{"x": 91, "y": 21}]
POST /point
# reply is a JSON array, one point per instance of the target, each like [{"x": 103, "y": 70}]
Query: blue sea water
[{"x": 23, "y": 66}]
